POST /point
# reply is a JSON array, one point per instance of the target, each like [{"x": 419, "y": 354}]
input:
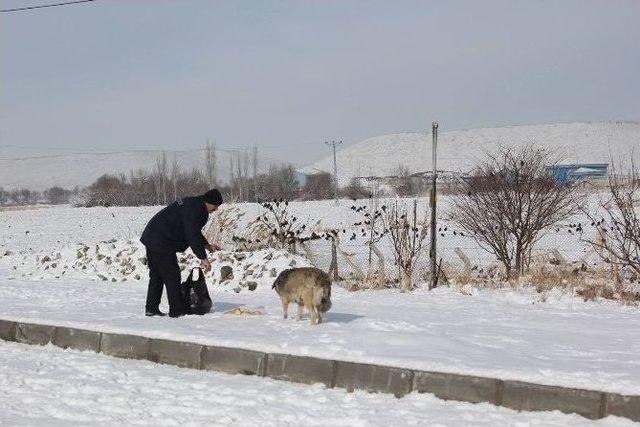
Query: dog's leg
[
  {"x": 312, "y": 312},
  {"x": 300, "y": 307},
  {"x": 285, "y": 308}
]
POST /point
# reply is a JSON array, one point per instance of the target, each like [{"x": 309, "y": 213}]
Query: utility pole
[
  {"x": 432, "y": 251},
  {"x": 335, "y": 169}
]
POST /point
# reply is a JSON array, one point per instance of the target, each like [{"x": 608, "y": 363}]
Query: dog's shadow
[
  {"x": 330, "y": 317},
  {"x": 340, "y": 317}
]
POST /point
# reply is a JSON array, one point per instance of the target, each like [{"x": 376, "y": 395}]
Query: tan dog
[{"x": 309, "y": 287}]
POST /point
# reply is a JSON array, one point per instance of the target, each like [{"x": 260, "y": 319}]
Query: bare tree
[
  {"x": 25, "y": 196},
  {"x": 175, "y": 173},
  {"x": 57, "y": 195},
  {"x": 371, "y": 226},
  {"x": 279, "y": 183},
  {"x": 318, "y": 186},
  {"x": 407, "y": 235},
  {"x": 245, "y": 174},
  {"x": 211, "y": 158},
  {"x": 108, "y": 190},
  {"x": 141, "y": 188},
  {"x": 254, "y": 167},
  {"x": 509, "y": 201},
  {"x": 192, "y": 183},
  {"x": 404, "y": 183},
  {"x": 281, "y": 223},
  {"x": 232, "y": 179},
  {"x": 239, "y": 177},
  {"x": 355, "y": 190},
  {"x": 160, "y": 175},
  {"x": 618, "y": 231}
]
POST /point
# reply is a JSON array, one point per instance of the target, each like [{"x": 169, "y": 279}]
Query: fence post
[
  {"x": 464, "y": 258},
  {"x": 334, "y": 261},
  {"x": 558, "y": 256},
  {"x": 432, "y": 250}
]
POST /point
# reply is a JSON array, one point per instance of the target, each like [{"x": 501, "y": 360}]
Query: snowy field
[
  {"x": 549, "y": 338},
  {"x": 48, "y": 386}
]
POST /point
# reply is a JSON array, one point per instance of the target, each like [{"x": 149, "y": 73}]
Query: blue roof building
[{"x": 564, "y": 174}]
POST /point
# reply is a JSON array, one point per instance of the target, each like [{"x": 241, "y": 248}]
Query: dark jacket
[{"x": 177, "y": 227}]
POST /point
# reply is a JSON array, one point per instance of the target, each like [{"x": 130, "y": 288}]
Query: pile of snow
[
  {"x": 119, "y": 261},
  {"x": 459, "y": 151}
]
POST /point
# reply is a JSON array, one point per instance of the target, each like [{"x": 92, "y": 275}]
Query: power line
[{"x": 20, "y": 9}]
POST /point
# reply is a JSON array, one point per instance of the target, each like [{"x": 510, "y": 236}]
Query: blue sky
[{"x": 167, "y": 74}]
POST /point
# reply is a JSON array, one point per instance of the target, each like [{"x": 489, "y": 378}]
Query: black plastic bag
[{"x": 195, "y": 294}]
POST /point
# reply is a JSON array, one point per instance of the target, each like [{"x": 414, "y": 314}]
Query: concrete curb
[
  {"x": 77, "y": 339},
  {"x": 516, "y": 395},
  {"x": 465, "y": 388},
  {"x": 374, "y": 378},
  {"x": 533, "y": 397},
  {"x": 301, "y": 369},
  {"x": 7, "y": 330},
  {"x": 183, "y": 354},
  {"x": 125, "y": 346},
  {"x": 234, "y": 361},
  {"x": 28, "y": 333},
  {"x": 622, "y": 406}
]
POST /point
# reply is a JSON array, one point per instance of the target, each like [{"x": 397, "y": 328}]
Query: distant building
[
  {"x": 301, "y": 178},
  {"x": 569, "y": 173}
]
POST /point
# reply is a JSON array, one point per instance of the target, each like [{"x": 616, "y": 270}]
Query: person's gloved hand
[
  {"x": 213, "y": 248},
  {"x": 205, "y": 265}
]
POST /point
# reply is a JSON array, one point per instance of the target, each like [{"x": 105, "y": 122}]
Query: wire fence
[{"x": 458, "y": 257}]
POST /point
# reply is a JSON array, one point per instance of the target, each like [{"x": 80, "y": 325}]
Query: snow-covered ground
[
  {"x": 48, "y": 386},
  {"x": 499, "y": 334},
  {"x": 511, "y": 334}
]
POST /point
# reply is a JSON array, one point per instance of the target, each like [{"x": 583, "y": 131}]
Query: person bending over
[{"x": 174, "y": 229}]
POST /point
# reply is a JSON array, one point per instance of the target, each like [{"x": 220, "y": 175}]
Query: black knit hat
[{"x": 213, "y": 197}]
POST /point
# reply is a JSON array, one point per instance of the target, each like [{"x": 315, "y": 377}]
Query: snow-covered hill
[{"x": 460, "y": 150}]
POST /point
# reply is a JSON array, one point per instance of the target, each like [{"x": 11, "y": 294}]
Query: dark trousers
[{"x": 164, "y": 270}]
